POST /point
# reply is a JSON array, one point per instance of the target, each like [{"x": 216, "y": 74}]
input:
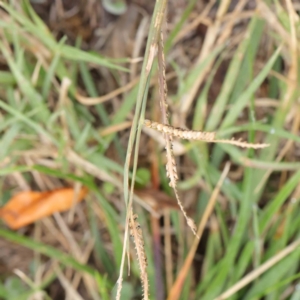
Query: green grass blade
[
  {"x": 230, "y": 79},
  {"x": 248, "y": 93},
  {"x": 278, "y": 201},
  {"x": 39, "y": 129},
  {"x": 51, "y": 252}
]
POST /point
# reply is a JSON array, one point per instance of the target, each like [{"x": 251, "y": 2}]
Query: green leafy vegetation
[{"x": 230, "y": 69}]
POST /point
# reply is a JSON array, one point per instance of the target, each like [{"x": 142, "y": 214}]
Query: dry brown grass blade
[
  {"x": 270, "y": 15},
  {"x": 137, "y": 235},
  {"x": 208, "y": 44},
  {"x": 97, "y": 100},
  {"x": 89, "y": 101},
  {"x": 178, "y": 284},
  {"x": 67, "y": 285},
  {"x": 168, "y": 250},
  {"x": 232, "y": 19},
  {"x": 115, "y": 128},
  {"x": 90, "y": 168},
  {"x": 203, "y": 18}
]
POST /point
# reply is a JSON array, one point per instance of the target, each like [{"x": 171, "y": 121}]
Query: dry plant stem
[
  {"x": 39, "y": 294},
  {"x": 178, "y": 284},
  {"x": 154, "y": 155},
  {"x": 70, "y": 291},
  {"x": 81, "y": 163},
  {"x": 88, "y": 101},
  {"x": 159, "y": 293},
  {"x": 89, "y": 280},
  {"x": 63, "y": 106},
  {"x": 24, "y": 278},
  {"x": 157, "y": 255},
  {"x": 90, "y": 168},
  {"x": 162, "y": 82},
  {"x": 138, "y": 44},
  {"x": 231, "y": 22},
  {"x": 37, "y": 255},
  {"x": 39, "y": 279},
  {"x": 239, "y": 16},
  {"x": 115, "y": 128},
  {"x": 55, "y": 233},
  {"x": 78, "y": 254},
  {"x": 73, "y": 246},
  {"x": 202, "y": 18},
  {"x": 136, "y": 234},
  {"x": 77, "y": 189},
  {"x": 37, "y": 176},
  {"x": 36, "y": 72},
  {"x": 171, "y": 163},
  {"x": 265, "y": 102},
  {"x": 155, "y": 227},
  {"x": 293, "y": 43},
  {"x": 168, "y": 250},
  {"x": 270, "y": 16},
  {"x": 257, "y": 272},
  {"x": 208, "y": 44},
  {"x": 20, "y": 181}
]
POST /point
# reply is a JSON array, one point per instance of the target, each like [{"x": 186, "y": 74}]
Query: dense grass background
[{"x": 231, "y": 68}]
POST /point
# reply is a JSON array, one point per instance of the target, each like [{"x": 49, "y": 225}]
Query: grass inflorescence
[{"x": 186, "y": 114}]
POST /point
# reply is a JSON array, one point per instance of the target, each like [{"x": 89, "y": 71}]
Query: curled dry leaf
[{"x": 30, "y": 206}]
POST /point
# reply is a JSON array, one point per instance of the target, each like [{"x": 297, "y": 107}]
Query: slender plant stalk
[{"x": 135, "y": 132}]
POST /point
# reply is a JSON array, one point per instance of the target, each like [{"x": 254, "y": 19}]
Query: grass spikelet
[
  {"x": 209, "y": 137},
  {"x": 181, "y": 133},
  {"x": 137, "y": 236},
  {"x": 241, "y": 144},
  {"x": 171, "y": 168}
]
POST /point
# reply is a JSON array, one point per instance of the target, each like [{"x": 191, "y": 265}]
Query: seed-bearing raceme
[
  {"x": 209, "y": 137},
  {"x": 181, "y": 133},
  {"x": 137, "y": 236}
]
